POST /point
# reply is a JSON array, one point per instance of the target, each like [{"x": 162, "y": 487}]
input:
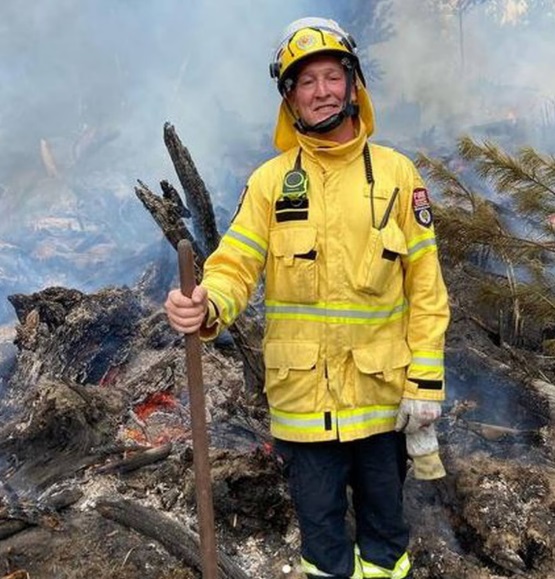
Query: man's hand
[
  {"x": 187, "y": 314},
  {"x": 416, "y": 414}
]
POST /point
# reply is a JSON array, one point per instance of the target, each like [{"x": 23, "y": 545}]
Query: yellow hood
[{"x": 285, "y": 134}]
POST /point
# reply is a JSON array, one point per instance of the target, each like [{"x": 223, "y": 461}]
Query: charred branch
[
  {"x": 137, "y": 460},
  {"x": 196, "y": 193},
  {"x": 175, "y": 537},
  {"x": 166, "y": 212}
]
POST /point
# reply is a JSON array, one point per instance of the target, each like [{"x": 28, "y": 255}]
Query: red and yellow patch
[{"x": 421, "y": 207}]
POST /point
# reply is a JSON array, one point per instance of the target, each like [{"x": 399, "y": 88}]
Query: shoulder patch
[
  {"x": 240, "y": 202},
  {"x": 421, "y": 207}
]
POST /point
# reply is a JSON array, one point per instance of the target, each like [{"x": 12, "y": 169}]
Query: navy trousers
[{"x": 318, "y": 475}]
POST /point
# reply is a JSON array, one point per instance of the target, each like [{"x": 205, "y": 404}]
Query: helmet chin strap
[
  {"x": 329, "y": 124},
  {"x": 349, "y": 109}
]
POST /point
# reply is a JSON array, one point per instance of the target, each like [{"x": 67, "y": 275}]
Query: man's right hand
[{"x": 187, "y": 314}]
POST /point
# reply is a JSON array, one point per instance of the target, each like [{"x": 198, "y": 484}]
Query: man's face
[{"x": 319, "y": 91}]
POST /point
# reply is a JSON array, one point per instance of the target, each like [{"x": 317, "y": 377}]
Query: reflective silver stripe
[
  {"x": 315, "y": 420},
  {"x": 429, "y": 363},
  {"x": 366, "y": 416},
  {"x": 248, "y": 241},
  {"x": 329, "y": 312},
  {"x": 427, "y": 245},
  {"x": 347, "y": 420},
  {"x": 420, "y": 360},
  {"x": 422, "y": 244}
]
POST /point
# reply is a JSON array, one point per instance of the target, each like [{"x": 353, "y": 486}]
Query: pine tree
[{"x": 515, "y": 236}]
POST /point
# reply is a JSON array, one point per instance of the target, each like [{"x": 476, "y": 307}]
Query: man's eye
[{"x": 306, "y": 81}]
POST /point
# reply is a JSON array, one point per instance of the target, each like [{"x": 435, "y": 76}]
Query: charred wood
[
  {"x": 57, "y": 435},
  {"x": 175, "y": 537},
  {"x": 196, "y": 193},
  {"x": 137, "y": 460},
  {"x": 166, "y": 212},
  {"x": 24, "y": 514}
]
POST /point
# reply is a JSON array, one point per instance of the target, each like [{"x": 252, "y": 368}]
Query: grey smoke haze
[{"x": 124, "y": 67}]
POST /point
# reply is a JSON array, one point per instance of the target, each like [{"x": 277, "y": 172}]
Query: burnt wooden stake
[{"x": 203, "y": 483}]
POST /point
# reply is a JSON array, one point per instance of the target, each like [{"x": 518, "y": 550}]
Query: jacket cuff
[
  {"x": 418, "y": 389},
  {"x": 211, "y": 326}
]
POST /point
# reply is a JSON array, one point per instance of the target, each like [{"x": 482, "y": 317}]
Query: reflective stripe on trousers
[{"x": 364, "y": 569}]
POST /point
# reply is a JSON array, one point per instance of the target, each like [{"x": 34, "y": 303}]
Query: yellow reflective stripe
[
  {"x": 427, "y": 362},
  {"x": 400, "y": 571},
  {"x": 221, "y": 298},
  {"x": 247, "y": 241},
  {"x": 335, "y": 313},
  {"x": 402, "y": 567},
  {"x": 361, "y": 418},
  {"x": 357, "y": 573},
  {"x": 311, "y": 569},
  {"x": 431, "y": 354},
  {"x": 308, "y": 422},
  {"x": 348, "y": 420},
  {"x": 260, "y": 241},
  {"x": 422, "y": 244}
]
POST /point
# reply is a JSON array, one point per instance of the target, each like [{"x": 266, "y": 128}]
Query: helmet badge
[{"x": 305, "y": 41}]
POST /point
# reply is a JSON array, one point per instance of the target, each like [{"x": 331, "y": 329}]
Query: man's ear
[{"x": 354, "y": 95}]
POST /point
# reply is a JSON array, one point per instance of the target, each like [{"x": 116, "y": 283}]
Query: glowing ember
[{"x": 158, "y": 401}]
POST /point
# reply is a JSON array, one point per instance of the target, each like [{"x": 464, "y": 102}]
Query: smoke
[
  {"x": 466, "y": 70},
  {"x": 87, "y": 86}
]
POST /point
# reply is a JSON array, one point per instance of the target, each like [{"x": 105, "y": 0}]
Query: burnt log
[{"x": 175, "y": 537}]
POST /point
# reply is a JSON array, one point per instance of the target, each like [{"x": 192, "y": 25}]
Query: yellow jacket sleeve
[
  {"x": 232, "y": 272},
  {"x": 425, "y": 291}
]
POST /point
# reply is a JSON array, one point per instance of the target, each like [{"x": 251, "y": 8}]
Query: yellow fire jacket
[{"x": 356, "y": 307}]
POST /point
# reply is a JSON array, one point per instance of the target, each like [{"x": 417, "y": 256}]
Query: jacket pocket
[
  {"x": 293, "y": 273},
  {"x": 291, "y": 375},
  {"x": 380, "y": 372},
  {"x": 381, "y": 258}
]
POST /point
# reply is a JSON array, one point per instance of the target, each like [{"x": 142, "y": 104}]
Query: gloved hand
[
  {"x": 416, "y": 419},
  {"x": 423, "y": 449},
  {"x": 414, "y": 414}
]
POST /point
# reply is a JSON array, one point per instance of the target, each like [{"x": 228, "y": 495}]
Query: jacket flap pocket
[
  {"x": 292, "y": 241},
  {"x": 291, "y": 355},
  {"x": 382, "y": 357},
  {"x": 393, "y": 238}
]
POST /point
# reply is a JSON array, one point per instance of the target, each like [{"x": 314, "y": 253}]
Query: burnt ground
[{"x": 98, "y": 382}]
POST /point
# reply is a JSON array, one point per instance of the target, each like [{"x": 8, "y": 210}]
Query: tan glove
[
  {"x": 416, "y": 419},
  {"x": 413, "y": 414},
  {"x": 423, "y": 449}
]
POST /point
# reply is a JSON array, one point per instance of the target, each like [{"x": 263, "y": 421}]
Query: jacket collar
[{"x": 332, "y": 153}]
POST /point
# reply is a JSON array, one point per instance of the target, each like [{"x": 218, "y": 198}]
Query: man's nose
[{"x": 322, "y": 87}]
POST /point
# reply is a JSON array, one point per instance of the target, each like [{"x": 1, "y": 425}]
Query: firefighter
[{"x": 355, "y": 304}]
